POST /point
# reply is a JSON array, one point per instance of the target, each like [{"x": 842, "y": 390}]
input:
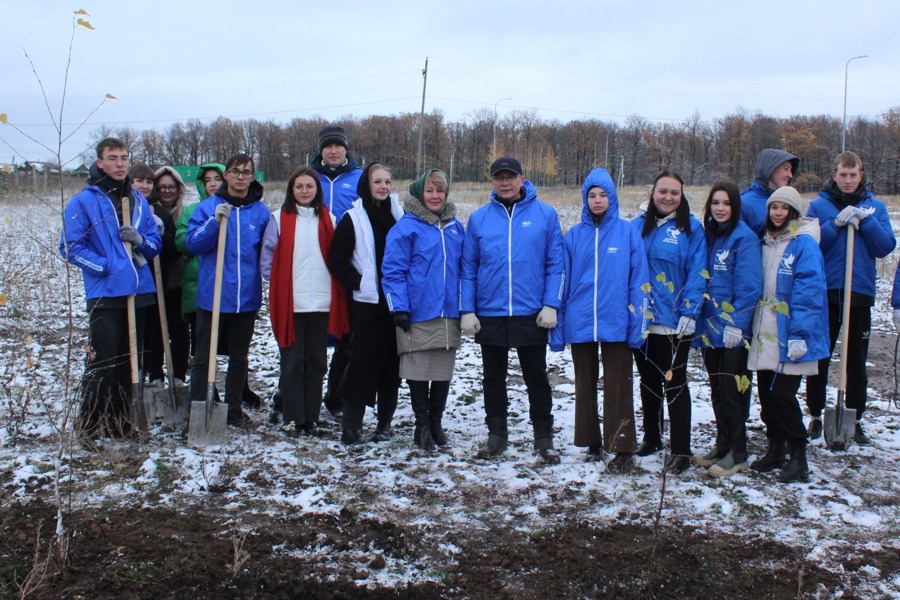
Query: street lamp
[
  {"x": 844, "y": 122},
  {"x": 494, "y": 128}
]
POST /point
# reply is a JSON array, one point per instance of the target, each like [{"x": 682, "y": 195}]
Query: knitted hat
[
  {"x": 789, "y": 196},
  {"x": 332, "y": 134}
]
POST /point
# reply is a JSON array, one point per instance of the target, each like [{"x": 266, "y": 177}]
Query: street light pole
[
  {"x": 494, "y": 128},
  {"x": 844, "y": 122}
]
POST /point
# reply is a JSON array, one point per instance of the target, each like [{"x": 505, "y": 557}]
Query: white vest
[
  {"x": 312, "y": 280},
  {"x": 364, "y": 249}
]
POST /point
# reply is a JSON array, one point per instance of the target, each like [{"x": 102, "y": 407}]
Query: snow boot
[
  {"x": 418, "y": 397},
  {"x": 543, "y": 441},
  {"x": 437, "y": 402},
  {"x": 498, "y": 434},
  {"x": 796, "y": 469},
  {"x": 773, "y": 459}
]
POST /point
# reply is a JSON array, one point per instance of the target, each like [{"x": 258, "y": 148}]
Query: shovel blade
[
  {"x": 173, "y": 406},
  {"x": 839, "y": 425},
  {"x": 208, "y": 422},
  {"x": 140, "y": 407}
]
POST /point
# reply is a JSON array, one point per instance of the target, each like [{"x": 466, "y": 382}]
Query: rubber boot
[
  {"x": 796, "y": 469},
  {"x": 543, "y": 441},
  {"x": 773, "y": 459},
  {"x": 498, "y": 435},
  {"x": 418, "y": 397},
  {"x": 437, "y": 402}
]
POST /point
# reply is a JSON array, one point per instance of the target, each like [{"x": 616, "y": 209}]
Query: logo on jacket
[
  {"x": 672, "y": 233},
  {"x": 346, "y": 186},
  {"x": 526, "y": 223},
  {"x": 869, "y": 210},
  {"x": 721, "y": 257},
  {"x": 611, "y": 250},
  {"x": 786, "y": 267}
]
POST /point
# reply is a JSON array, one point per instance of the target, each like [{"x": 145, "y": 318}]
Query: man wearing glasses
[
  {"x": 239, "y": 200},
  {"x": 511, "y": 286},
  {"x": 94, "y": 239}
]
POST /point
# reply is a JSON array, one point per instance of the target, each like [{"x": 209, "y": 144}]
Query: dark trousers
[
  {"x": 191, "y": 320},
  {"x": 618, "y": 401},
  {"x": 179, "y": 339},
  {"x": 373, "y": 375},
  {"x": 240, "y": 334},
  {"x": 303, "y": 367},
  {"x": 857, "y": 351},
  {"x": 106, "y": 383},
  {"x": 779, "y": 408},
  {"x": 337, "y": 374},
  {"x": 729, "y": 404},
  {"x": 533, "y": 360},
  {"x": 659, "y": 355}
]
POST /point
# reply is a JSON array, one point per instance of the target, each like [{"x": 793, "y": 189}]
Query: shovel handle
[
  {"x": 130, "y": 310},
  {"x": 217, "y": 303},
  {"x": 845, "y": 318},
  {"x": 164, "y": 326}
]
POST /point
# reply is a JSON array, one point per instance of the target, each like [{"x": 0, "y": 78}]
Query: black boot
[
  {"x": 543, "y": 441},
  {"x": 796, "y": 469},
  {"x": 773, "y": 459},
  {"x": 418, "y": 397},
  {"x": 249, "y": 397},
  {"x": 437, "y": 402},
  {"x": 497, "y": 438}
]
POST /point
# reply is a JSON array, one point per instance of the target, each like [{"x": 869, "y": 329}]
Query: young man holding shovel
[
  {"x": 238, "y": 202},
  {"x": 844, "y": 201},
  {"x": 112, "y": 255}
]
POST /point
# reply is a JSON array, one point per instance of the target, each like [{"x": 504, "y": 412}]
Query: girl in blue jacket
[
  {"x": 421, "y": 283},
  {"x": 734, "y": 285},
  {"x": 603, "y": 306},
  {"x": 676, "y": 255}
]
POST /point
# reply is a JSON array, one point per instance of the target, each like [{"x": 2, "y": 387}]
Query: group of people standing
[{"x": 393, "y": 285}]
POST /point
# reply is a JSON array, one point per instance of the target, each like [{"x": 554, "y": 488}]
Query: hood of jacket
[
  {"x": 109, "y": 186},
  {"x": 842, "y": 200},
  {"x": 201, "y": 187},
  {"x": 602, "y": 179},
  {"x": 254, "y": 194},
  {"x": 802, "y": 226},
  {"x": 768, "y": 160},
  {"x": 528, "y": 193},
  {"x": 318, "y": 165},
  {"x": 415, "y": 207}
]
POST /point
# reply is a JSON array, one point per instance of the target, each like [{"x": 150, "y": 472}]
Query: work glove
[
  {"x": 401, "y": 320},
  {"x": 546, "y": 319},
  {"x": 897, "y": 319},
  {"x": 732, "y": 337},
  {"x": 862, "y": 214},
  {"x": 848, "y": 216},
  {"x": 470, "y": 324},
  {"x": 223, "y": 211},
  {"x": 686, "y": 327},
  {"x": 159, "y": 224},
  {"x": 129, "y": 234},
  {"x": 796, "y": 349}
]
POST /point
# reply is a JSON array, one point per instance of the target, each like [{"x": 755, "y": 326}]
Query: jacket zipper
[
  {"x": 596, "y": 277},
  {"x": 238, "y": 260},
  {"x": 509, "y": 256}
]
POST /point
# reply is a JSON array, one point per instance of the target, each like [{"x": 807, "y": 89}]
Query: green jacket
[{"x": 191, "y": 267}]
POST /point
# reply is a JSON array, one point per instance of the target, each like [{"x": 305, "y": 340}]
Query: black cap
[{"x": 506, "y": 163}]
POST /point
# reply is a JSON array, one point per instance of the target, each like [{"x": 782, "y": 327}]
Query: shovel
[
  {"x": 840, "y": 422},
  {"x": 209, "y": 418},
  {"x": 172, "y": 404},
  {"x": 139, "y": 418}
]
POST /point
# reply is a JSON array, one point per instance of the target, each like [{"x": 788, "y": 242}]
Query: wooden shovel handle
[
  {"x": 217, "y": 300},
  {"x": 845, "y": 319},
  {"x": 129, "y": 303}
]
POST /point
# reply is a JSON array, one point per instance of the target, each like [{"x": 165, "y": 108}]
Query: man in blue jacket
[
  {"x": 774, "y": 169},
  {"x": 511, "y": 286},
  {"x": 94, "y": 239},
  {"x": 844, "y": 201},
  {"x": 239, "y": 200}
]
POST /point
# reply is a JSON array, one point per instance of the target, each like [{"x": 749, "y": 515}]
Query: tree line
[{"x": 552, "y": 152}]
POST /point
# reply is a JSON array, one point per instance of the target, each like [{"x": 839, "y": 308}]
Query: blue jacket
[
  {"x": 895, "y": 293},
  {"x": 875, "y": 239},
  {"x": 675, "y": 262},
  {"x": 338, "y": 193},
  {"x": 734, "y": 265},
  {"x": 753, "y": 207},
  {"x": 420, "y": 270},
  {"x": 241, "y": 279},
  {"x": 90, "y": 240},
  {"x": 605, "y": 268},
  {"x": 512, "y": 263}
]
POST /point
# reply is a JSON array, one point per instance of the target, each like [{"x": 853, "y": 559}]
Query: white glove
[
  {"x": 796, "y": 349},
  {"x": 469, "y": 323},
  {"x": 732, "y": 337},
  {"x": 159, "y": 224},
  {"x": 848, "y": 216},
  {"x": 223, "y": 210},
  {"x": 546, "y": 319},
  {"x": 897, "y": 319},
  {"x": 686, "y": 327},
  {"x": 129, "y": 234}
]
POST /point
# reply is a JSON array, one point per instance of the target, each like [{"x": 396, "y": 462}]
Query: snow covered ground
[{"x": 850, "y": 504}]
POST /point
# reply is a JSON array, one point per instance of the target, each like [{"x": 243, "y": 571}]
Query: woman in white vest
[{"x": 355, "y": 260}]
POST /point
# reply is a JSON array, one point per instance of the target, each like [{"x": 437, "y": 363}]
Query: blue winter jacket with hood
[
  {"x": 753, "y": 199},
  {"x": 512, "y": 262},
  {"x": 734, "y": 266},
  {"x": 606, "y": 266},
  {"x": 875, "y": 238},
  {"x": 675, "y": 262},
  {"x": 90, "y": 240},
  {"x": 338, "y": 185},
  {"x": 241, "y": 277}
]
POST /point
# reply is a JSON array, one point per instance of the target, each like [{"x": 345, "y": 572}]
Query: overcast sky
[{"x": 168, "y": 61}]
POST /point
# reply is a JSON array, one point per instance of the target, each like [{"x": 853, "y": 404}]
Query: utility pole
[
  {"x": 422, "y": 119},
  {"x": 495, "y": 126},
  {"x": 844, "y": 122}
]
